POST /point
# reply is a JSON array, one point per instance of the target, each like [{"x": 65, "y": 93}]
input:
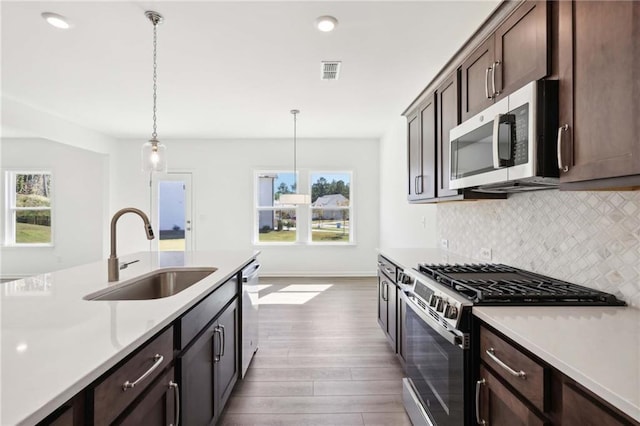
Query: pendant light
[
  {"x": 295, "y": 198},
  {"x": 154, "y": 157}
]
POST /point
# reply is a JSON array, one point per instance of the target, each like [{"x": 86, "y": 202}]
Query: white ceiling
[{"x": 231, "y": 69}]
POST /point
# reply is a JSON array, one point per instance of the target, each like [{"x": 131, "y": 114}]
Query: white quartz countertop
[
  {"x": 55, "y": 343},
  {"x": 599, "y": 347}
]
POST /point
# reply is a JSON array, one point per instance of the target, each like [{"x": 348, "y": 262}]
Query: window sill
[{"x": 28, "y": 245}]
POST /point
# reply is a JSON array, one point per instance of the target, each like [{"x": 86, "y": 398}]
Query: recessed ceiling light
[
  {"x": 56, "y": 20},
  {"x": 326, "y": 23}
]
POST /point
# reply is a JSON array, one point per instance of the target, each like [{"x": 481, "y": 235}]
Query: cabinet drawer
[
  {"x": 523, "y": 373},
  {"x": 110, "y": 399},
  {"x": 200, "y": 315},
  {"x": 387, "y": 267}
]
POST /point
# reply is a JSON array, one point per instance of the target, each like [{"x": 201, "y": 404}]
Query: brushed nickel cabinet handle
[
  {"x": 176, "y": 392},
  {"x": 216, "y": 355},
  {"x": 492, "y": 354},
  {"x": 493, "y": 78},
  {"x": 222, "y": 340},
  {"x": 486, "y": 83},
  {"x": 561, "y": 130},
  {"x": 478, "y": 419},
  {"x": 157, "y": 361}
]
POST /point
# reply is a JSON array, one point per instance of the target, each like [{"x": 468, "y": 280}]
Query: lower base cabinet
[
  {"x": 158, "y": 407},
  {"x": 209, "y": 370}
]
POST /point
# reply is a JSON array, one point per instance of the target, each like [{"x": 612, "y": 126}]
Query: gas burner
[{"x": 496, "y": 284}]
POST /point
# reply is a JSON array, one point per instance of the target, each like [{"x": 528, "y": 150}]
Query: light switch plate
[{"x": 444, "y": 244}]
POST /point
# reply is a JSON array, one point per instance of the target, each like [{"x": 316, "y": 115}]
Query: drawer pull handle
[
  {"x": 478, "y": 419},
  {"x": 492, "y": 354},
  {"x": 176, "y": 391},
  {"x": 157, "y": 361}
]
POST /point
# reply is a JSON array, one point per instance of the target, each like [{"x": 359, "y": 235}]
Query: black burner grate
[{"x": 501, "y": 284}]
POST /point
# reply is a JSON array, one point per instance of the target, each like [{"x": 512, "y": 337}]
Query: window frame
[
  {"x": 10, "y": 208},
  {"x": 257, "y": 208},
  {"x": 350, "y": 209}
]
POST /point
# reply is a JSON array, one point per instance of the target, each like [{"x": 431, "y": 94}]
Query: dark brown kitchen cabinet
[
  {"x": 448, "y": 117},
  {"x": 209, "y": 369},
  {"x": 117, "y": 390},
  {"x": 422, "y": 151},
  {"x": 389, "y": 313},
  {"x": 158, "y": 406},
  {"x": 514, "y": 55},
  {"x": 599, "y": 72},
  {"x": 498, "y": 406}
]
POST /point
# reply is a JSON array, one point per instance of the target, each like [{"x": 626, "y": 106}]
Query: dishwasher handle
[{"x": 252, "y": 275}]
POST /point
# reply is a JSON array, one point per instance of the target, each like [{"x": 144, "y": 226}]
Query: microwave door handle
[{"x": 494, "y": 142}]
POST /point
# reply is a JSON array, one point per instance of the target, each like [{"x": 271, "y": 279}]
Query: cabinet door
[
  {"x": 226, "y": 355},
  {"x": 427, "y": 177},
  {"x": 402, "y": 337},
  {"x": 599, "y": 72},
  {"x": 392, "y": 331},
  {"x": 448, "y": 118},
  {"x": 414, "y": 155},
  {"x": 197, "y": 380},
  {"x": 578, "y": 410},
  {"x": 383, "y": 288},
  {"x": 500, "y": 407},
  {"x": 158, "y": 405},
  {"x": 474, "y": 73},
  {"x": 521, "y": 48}
]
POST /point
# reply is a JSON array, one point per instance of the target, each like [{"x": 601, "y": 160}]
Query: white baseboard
[{"x": 321, "y": 274}]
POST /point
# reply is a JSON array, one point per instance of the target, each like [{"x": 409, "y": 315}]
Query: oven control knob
[
  {"x": 434, "y": 301},
  {"x": 440, "y": 305},
  {"x": 451, "y": 312}
]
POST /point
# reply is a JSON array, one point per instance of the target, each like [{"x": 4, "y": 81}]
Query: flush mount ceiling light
[
  {"x": 56, "y": 20},
  {"x": 295, "y": 198},
  {"x": 326, "y": 23},
  {"x": 154, "y": 157}
]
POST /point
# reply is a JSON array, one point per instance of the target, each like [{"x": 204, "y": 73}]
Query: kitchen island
[{"x": 55, "y": 343}]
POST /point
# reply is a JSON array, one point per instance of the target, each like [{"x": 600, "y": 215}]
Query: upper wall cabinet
[
  {"x": 422, "y": 151},
  {"x": 448, "y": 117},
  {"x": 599, "y": 72},
  {"x": 515, "y": 54}
]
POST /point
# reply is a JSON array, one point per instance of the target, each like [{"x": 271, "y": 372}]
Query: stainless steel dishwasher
[{"x": 250, "y": 305}]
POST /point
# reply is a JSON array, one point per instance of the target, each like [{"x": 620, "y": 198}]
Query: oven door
[{"x": 435, "y": 368}]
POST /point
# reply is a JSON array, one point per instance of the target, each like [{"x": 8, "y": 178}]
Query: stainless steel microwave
[{"x": 510, "y": 146}]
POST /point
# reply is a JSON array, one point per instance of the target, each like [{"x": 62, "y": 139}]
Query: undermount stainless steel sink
[{"x": 156, "y": 285}]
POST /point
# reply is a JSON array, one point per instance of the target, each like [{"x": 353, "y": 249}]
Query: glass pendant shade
[
  {"x": 154, "y": 157},
  {"x": 295, "y": 199}
]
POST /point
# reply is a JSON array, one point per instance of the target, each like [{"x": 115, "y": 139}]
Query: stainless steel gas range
[{"x": 439, "y": 330}]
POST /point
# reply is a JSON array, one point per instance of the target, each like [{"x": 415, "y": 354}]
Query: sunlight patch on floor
[
  {"x": 307, "y": 287},
  {"x": 287, "y": 298}
]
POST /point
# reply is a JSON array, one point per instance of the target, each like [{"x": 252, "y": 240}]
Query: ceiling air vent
[{"x": 330, "y": 70}]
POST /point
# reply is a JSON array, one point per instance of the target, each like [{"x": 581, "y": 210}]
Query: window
[
  {"x": 276, "y": 223},
  {"x": 331, "y": 207},
  {"x": 28, "y": 218},
  {"x": 328, "y": 220}
]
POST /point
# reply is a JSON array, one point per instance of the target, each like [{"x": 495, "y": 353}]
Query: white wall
[
  {"x": 223, "y": 197},
  {"x": 402, "y": 225},
  {"x": 80, "y": 188}
]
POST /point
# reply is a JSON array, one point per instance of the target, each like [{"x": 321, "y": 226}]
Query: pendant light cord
[{"x": 154, "y": 135}]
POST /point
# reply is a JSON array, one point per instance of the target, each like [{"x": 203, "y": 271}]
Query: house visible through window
[
  {"x": 275, "y": 223},
  {"x": 28, "y": 213},
  {"x": 331, "y": 207}
]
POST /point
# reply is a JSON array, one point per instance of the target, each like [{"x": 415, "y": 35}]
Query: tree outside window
[
  {"x": 331, "y": 207},
  {"x": 28, "y": 218},
  {"x": 276, "y": 222}
]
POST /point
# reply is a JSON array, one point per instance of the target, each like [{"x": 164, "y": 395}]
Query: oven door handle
[{"x": 435, "y": 325}]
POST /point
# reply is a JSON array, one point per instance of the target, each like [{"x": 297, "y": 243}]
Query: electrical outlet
[
  {"x": 485, "y": 254},
  {"x": 444, "y": 244},
  {"x": 423, "y": 221}
]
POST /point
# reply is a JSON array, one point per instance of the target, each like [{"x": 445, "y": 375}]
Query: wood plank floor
[{"x": 322, "y": 358}]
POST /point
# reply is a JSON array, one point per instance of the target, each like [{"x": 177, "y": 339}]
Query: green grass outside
[
  {"x": 27, "y": 233},
  {"x": 316, "y": 236}
]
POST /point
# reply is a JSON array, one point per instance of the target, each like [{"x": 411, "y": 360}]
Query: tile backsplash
[{"x": 588, "y": 238}]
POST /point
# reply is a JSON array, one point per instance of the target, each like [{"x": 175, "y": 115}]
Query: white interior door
[{"x": 171, "y": 207}]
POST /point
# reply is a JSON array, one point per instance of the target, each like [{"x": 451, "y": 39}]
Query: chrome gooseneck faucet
[{"x": 114, "y": 267}]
